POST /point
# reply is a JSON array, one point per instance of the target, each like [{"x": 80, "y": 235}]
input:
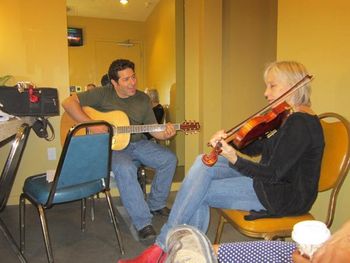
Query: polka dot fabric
[{"x": 256, "y": 252}]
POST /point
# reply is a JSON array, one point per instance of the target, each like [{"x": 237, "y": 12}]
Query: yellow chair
[{"x": 334, "y": 169}]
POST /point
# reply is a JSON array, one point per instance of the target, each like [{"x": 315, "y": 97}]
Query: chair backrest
[
  {"x": 336, "y": 157},
  {"x": 66, "y": 124},
  {"x": 84, "y": 158},
  {"x": 9, "y": 172},
  {"x": 159, "y": 113}
]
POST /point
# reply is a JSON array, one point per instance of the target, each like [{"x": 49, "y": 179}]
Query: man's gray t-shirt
[{"x": 137, "y": 107}]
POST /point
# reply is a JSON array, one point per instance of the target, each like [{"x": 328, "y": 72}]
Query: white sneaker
[{"x": 186, "y": 244}]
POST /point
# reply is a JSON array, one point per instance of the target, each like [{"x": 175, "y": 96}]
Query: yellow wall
[
  {"x": 227, "y": 45},
  {"x": 316, "y": 33},
  {"x": 160, "y": 49},
  {"x": 33, "y": 48},
  {"x": 203, "y": 72},
  {"x": 83, "y": 60},
  {"x": 249, "y": 43},
  {"x": 178, "y": 90}
]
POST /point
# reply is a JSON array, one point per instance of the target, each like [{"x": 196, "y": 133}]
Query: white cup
[{"x": 309, "y": 236}]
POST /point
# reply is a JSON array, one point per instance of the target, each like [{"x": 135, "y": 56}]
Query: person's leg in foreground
[{"x": 217, "y": 186}]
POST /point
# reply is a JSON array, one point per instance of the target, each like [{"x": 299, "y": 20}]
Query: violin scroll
[{"x": 211, "y": 158}]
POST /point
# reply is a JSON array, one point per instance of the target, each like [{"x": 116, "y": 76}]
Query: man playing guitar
[{"x": 121, "y": 94}]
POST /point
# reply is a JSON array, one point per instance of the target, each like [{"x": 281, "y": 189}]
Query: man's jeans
[
  {"x": 124, "y": 167},
  {"x": 219, "y": 186}
]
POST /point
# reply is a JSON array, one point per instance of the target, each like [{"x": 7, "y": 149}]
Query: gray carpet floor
[{"x": 97, "y": 244}]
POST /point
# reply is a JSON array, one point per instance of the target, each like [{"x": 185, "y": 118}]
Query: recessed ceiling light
[{"x": 123, "y": 2}]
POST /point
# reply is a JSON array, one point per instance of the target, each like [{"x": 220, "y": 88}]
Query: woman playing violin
[{"x": 284, "y": 181}]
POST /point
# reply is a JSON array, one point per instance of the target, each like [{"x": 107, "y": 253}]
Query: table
[{"x": 10, "y": 127}]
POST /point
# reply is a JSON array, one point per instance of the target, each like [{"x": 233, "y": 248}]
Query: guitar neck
[{"x": 144, "y": 128}]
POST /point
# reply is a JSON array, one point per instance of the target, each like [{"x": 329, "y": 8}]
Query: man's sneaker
[
  {"x": 162, "y": 212},
  {"x": 147, "y": 234},
  {"x": 187, "y": 244}
]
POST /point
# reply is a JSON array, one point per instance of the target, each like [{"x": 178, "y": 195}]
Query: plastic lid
[{"x": 310, "y": 232}]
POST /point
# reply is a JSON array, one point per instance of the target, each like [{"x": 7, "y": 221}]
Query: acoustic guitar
[{"x": 122, "y": 127}]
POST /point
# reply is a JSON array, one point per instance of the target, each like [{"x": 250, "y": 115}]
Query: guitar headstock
[{"x": 190, "y": 127}]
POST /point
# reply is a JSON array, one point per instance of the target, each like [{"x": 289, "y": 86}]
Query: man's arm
[{"x": 72, "y": 106}]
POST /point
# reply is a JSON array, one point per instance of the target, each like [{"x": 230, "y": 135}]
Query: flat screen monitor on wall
[{"x": 75, "y": 36}]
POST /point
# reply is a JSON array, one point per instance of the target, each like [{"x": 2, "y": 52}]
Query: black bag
[{"x": 26, "y": 100}]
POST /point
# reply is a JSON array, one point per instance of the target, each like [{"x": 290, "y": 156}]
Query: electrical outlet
[
  {"x": 51, "y": 153},
  {"x": 75, "y": 89}
]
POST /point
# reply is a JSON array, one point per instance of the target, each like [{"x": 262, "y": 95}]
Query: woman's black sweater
[{"x": 286, "y": 178}]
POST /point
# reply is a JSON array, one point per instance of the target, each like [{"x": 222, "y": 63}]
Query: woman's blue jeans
[
  {"x": 219, "y": 186},
  {"x": 124, "y": 166}
]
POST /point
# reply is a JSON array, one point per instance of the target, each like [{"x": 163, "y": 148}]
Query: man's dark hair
[{"x": 119, "y": 65}]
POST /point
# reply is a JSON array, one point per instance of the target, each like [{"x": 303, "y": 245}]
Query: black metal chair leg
[
  {"x": 92, "y": 208},
  {"x": 11, "y": 241},
  {"x": 22, "y": 223},
  {"x": 46, "y": 235},
  {"x": 115, "y": 222},
  {"x": 142, "y": 177},
  {"x": 83, "y": 215}
]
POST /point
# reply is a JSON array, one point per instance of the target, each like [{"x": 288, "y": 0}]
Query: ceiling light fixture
[{"x": 123, "y": 2}]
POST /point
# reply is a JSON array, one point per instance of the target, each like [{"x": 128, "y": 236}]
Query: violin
[{"x": 258, "y": 125}]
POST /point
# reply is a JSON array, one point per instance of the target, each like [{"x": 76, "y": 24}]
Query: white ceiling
[{"x": 135, "y": 10}]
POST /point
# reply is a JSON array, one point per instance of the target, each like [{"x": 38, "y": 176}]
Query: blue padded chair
[{"x": 82, "y": 171}]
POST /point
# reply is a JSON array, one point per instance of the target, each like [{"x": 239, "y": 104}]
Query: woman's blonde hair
[{"x": 290, "y": 73}]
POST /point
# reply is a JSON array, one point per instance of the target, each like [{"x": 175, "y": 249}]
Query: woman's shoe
[{"x": 153, "y": 254}]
